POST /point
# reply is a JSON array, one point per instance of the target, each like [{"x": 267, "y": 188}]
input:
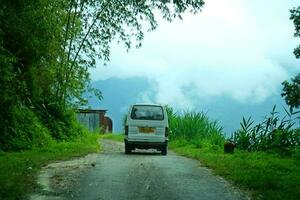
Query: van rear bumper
[{"x": 145, "y": 144}]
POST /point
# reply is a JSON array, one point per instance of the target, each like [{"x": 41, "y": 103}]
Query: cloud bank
[{"x": 235, "y": 48}]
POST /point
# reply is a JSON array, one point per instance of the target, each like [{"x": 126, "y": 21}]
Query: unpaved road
[{"x": 141, "y": 175}]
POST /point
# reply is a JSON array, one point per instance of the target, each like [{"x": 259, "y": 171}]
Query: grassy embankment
[
  {"x": 18, "y": 169},
  {"x": 267, "y": 175}
]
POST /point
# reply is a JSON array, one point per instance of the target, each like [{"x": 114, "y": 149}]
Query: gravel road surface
[{"x": 112, "y": 175}]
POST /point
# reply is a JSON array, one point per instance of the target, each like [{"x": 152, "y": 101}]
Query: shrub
[
  {"x": 195, "y": 128},
  {"x": 26, "y": 131},
  {"x": 272, "y": 134},
  {"x": 228, "y": 147},
  {"x": 61, "y": 121},
  {"x": 296, "y": 153}
]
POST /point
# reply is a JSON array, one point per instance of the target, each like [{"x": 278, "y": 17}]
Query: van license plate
[{"x": 146, "y": 130}]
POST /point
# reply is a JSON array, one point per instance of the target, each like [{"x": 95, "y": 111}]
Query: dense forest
[{"x": 46, "y": 50}]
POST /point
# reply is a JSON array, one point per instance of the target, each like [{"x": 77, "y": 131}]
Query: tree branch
[{"x": 88, "y": 32}]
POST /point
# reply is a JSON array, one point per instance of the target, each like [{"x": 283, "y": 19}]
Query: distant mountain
[
  {"x": 120, "y": 93},
  {"x": 229, "y": 112}
]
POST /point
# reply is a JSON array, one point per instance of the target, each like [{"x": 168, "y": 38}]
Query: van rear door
[{"x": 147, "y": 121}]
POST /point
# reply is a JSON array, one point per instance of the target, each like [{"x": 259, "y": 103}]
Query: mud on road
[{"x": 112, "y": 175}]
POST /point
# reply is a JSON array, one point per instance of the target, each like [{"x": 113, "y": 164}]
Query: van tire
[
  {"x": 164, "y": 150},
  {"x": 127, "y": 149}
]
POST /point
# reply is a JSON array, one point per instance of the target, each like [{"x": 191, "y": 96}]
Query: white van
[{"x": 146, "y": 127}]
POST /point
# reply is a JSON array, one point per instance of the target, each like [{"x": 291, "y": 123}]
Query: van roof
[{"x": 146, "y": 104}]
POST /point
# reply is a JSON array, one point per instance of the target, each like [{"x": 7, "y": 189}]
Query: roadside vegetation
[
  {"x": 195, "y": 129},
  {"x": 265, "y": 175},
  {"x": 269, "y": 172},
  {"x": 18, "y": 169},
  {"x": 273, "y": 134}
]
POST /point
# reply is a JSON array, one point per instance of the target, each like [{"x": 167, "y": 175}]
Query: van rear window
[{"x": 147, "y": 112}]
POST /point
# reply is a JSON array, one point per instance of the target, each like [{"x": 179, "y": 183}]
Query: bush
[
  {"x": 196, "y": 129},
  {"x": 296, "y": 153},
  {"x": 26, "y": 131},
  {"x": 61, "y": 121},
  {"x": 272, "y": 134}
]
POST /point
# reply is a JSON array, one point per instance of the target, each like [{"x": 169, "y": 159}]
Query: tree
[
  {"x": 291, "y": 90},
  {"x": 55, "y": 42},
  {"x": 295, "y": 17},
  {"x": 46, "y": 50},
  {"x": 91, "y": 26}
]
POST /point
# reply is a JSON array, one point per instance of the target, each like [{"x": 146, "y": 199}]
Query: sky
[{"x": 238, "y": 48}]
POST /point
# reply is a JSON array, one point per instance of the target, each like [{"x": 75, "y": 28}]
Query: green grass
[
  {"x": 115, "y": 136},
  {"x": 268, "y": 176},
  {"x": 18, "y": 169},
  {"x": 194, "y": 127}
]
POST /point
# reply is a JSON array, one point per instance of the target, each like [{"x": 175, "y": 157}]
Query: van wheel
[
  {"x": 164, "y": 150},
  {"x": 127, "y": 149}
]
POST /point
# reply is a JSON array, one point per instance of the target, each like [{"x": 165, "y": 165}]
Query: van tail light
[
  {"x": 126, "y": 130},
  {"x": 167, "y": 132}
]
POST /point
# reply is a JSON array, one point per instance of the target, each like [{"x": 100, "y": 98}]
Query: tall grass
[
  {"x": 272, "y": 134},
  {"x": 268, "y": 175},
  {"x": 194, "y": 128}
]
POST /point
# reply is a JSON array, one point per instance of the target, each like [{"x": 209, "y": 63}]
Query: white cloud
[{"x": 232, "y": 48}]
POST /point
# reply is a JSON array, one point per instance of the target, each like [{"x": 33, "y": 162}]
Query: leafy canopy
[
  {"x": 295, "y": 17},
  {"x": 291, "y": 90},
  {"x": 46, "y": 50},
  {"x": 91, "y": 26}
]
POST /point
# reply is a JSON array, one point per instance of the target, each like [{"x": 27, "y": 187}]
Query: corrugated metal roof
[{"x": 91, "y": 111}]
